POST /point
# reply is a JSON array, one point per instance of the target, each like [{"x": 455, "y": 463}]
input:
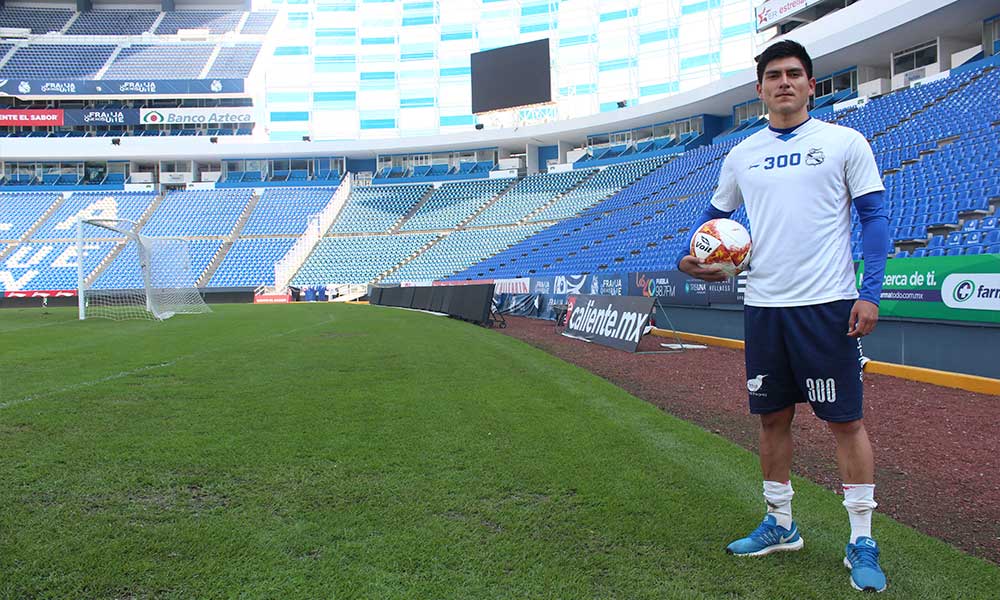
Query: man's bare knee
[
  {"x": 778, "y": 420},
  {"x": 847, "y": 428}
]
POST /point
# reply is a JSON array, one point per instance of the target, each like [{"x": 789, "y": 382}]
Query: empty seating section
[
  {"x": 377, "y": 208},
  {"x": 113, "y": 22},
  {"x": 50, "y": 265},
  {"x": 942, "y": 165},
  {"x": 458, "y": 250},
  {"x": 286, "y": 210},
  {"x": 642, "y": 227},
  {"x": 19, "y": 211},
  {"x": 599, "y": 187},
  {"x": 259, "y": 22},
  {"x": 57, "y": 61},
  {"x": 184, "y": 61},
  {"x": 357, "y": 259},
  {"x": 124, "y": 273},
  {"x": 234, "y": 62},
  {"x": 38, "y": 20},
  {"x": 198, "y": 213},
  {"x": 250, "y": 262},
  {"x": 216, "y": 21},
  {"x": 452, "y": 203},
  {"x": 527, "y": 196},
  {"x": 95, "y": 205}
]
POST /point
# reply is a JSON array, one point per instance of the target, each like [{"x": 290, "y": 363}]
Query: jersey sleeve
[
  {"x": 727, "y": 197},
  {"x": 861, "y": 170}
]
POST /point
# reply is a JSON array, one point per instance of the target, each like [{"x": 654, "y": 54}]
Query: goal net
[{"x": 142, "y": 277}]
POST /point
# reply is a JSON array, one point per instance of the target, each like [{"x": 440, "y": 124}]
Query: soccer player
[{"x": 804, "y": 316}]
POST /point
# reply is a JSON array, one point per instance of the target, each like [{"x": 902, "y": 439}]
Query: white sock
[
  {"x": 778, "y": 496},
  {"x": 859, "y": 500}
]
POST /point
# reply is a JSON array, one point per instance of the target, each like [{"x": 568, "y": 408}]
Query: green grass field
[{"x": 330, "y": 451}]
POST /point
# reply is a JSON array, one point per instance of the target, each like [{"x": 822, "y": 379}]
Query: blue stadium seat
[{"x": 113, "y": 22}]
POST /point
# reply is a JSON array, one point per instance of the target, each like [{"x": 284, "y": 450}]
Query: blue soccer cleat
[
  {"x": 767, "y": 538},
  {"x": 862, "y": 560}
]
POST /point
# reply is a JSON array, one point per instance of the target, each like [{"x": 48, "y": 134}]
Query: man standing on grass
[{"x": 804, "y": 317}]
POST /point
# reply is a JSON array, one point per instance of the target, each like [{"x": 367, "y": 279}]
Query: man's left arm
[
  {"x": 864, "y": 181},
  {"x": 875, "y": 246}
]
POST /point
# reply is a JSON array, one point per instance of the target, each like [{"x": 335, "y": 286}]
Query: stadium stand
[
  {"x": 250, "y": 262},
  {"x": 452, "y": 203},
  {"x": 124, "y": 273},
  {"x": 38, "y": 20},
  {"x": 234, "y": 62},
  {"x": 113, "y": 22},
  {"x": 358, "y": 259},
  {"x": 57, "y": 61},
  {"x": 378, "y": 208},
  {"x": 19, "y": 211},
  {"x": 458, "y": 249},
  {"x": 198, "y": 213},
  {"x": 599, "y": 187},
  {"x": 286, "y": 210},
  {"x": 183, "y": 61},
  {"x": 97, "y": 205},
  {"x": 53, "y": 263},
  {"x": 528, "y": 196},
  {"x": 259, "y": 22},
  {"x": 216, "y": 21}
]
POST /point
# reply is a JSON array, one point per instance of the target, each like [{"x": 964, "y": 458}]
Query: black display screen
[{"x": 511, "y": 76}]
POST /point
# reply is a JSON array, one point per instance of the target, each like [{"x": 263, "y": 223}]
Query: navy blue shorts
[{"x": 802, "y": 354}]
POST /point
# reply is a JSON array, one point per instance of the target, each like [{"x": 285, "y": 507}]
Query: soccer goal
[{"x": 142, "y": 277}]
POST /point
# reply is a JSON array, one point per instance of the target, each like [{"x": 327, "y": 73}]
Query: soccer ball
[{"x": 722, "y": 244}]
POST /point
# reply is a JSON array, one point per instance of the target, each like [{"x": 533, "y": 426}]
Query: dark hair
[{"x": 783, "y": 49}]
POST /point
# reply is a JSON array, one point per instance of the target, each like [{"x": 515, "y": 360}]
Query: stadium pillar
[
  {"x": 564, "y": 148},
  {"x": 531, "y": 158}
]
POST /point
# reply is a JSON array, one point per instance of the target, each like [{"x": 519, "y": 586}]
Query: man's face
[{"x": 786, "y": 87}]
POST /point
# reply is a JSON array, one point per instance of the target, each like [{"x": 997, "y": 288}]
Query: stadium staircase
[
  {"x": 70, "y": 22},
  {"x": 557, "y": 197},
  {"x": 109, "y": 62},
  {"x": 5, "y": 57},
  {"x": 210, "y": 62},
  {"x": 156, "y": 23},
  {"x": 227, "y": 242},
  {"x": 286, "y": 268},
  {"x": 239, "y": 27},
  {"x": 383, "y": 275},
  {"x": 31, "y": 230},
  {"x": 413, "y": 210},
  {"x": 488, "y": 203}
]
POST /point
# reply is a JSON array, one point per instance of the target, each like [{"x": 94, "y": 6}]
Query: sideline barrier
[
  {"x": 467, "y": 302},
  {"x": 961, "y": 381}
]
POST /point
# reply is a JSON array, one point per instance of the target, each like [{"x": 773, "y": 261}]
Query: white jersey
[{"x": 798, "y": 188}]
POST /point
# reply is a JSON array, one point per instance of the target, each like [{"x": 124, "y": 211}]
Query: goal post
[{"x": 141, "y": 277}]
